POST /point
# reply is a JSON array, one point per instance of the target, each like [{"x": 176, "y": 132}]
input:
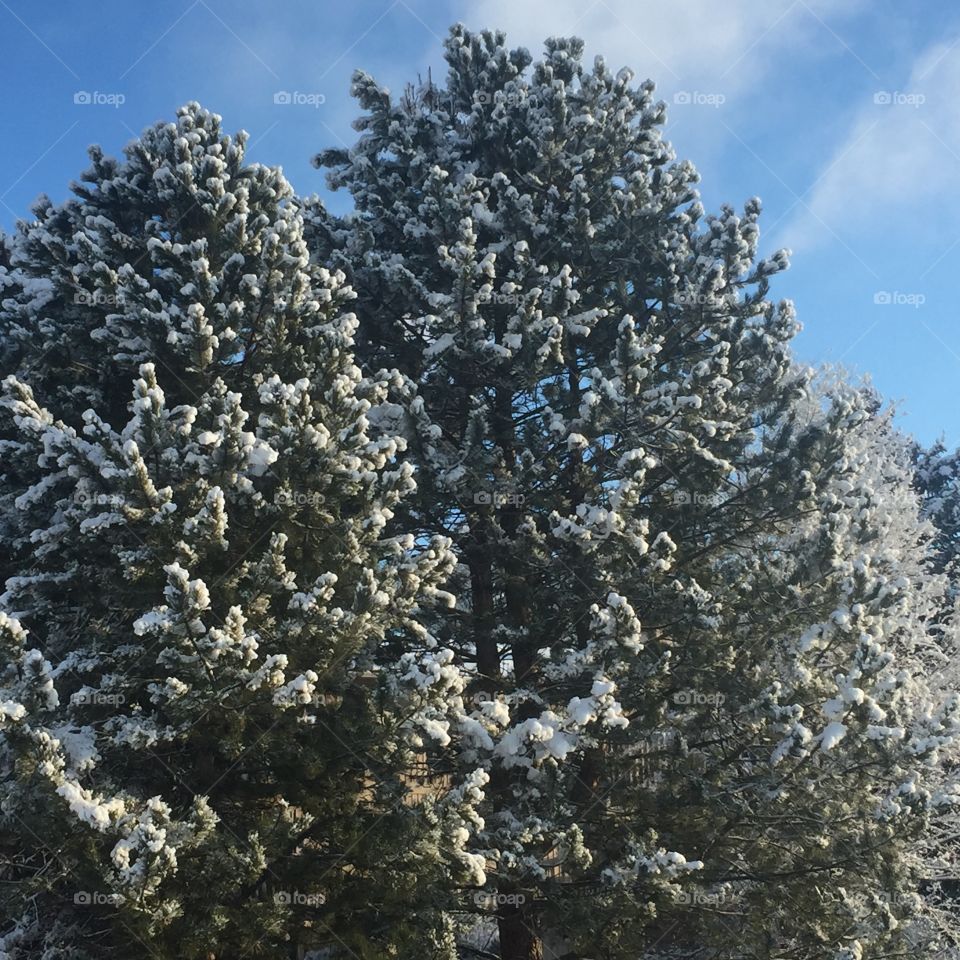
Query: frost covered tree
[
  {"x": 937, "y": 479},
  {"x": 936, "y": 473},
  {"x": 214, "y": 679},
  {"x": 692, "y": 589}
]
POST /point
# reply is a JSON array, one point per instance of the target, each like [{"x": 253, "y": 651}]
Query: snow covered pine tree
[
  {"x": 685, "y": 607},
  {"x": 937, "y": 479},
  {"x": 936, "y": 474},
  {"x": 207, "y": 708}
]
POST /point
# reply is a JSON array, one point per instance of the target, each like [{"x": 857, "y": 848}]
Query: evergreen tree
[
  {"x": 214, "y": 682},
  {"x": 936, "y": 474},
  {"x": 937, "y": 479},
  {"x": 692, "y": 586}
]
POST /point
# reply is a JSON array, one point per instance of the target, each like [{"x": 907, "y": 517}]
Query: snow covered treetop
[{"x": 182, "y": 254}]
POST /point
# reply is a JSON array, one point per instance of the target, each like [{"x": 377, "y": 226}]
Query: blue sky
[{"x": 840, "y": 114}]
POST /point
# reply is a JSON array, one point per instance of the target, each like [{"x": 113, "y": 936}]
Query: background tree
[
  {"x": 937, "y": 479},
  {"x": 936, "y": 475},
  {"x": 686, "y": 609}
]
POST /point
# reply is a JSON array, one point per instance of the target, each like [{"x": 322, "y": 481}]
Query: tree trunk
[
  {"x": 481, "y": 582},
  {"x": 518, "y": 934}
]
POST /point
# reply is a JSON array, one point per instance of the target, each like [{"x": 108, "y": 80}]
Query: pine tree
[
  {"x": 937, "y": 479},
  {"x": 685, "y": 606},
  {"x": 215, "y": 681},
  {"x": 936, "y": 476}
]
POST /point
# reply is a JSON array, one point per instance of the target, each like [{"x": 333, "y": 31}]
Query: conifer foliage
[
  {"x": 208, "y": 703},
  {"x": 475, "y": 574},
  {"x": 691, "y": 592}
]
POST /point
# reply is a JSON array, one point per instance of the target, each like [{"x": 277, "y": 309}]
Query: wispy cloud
[
  {"x": 888, "y": 176},
  {"x": 690, "y": 46}
]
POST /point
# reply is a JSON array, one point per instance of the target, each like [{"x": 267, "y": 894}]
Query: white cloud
[
  {"x": 889, "y": 172},
  {"x": 685, "y": 45}
]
